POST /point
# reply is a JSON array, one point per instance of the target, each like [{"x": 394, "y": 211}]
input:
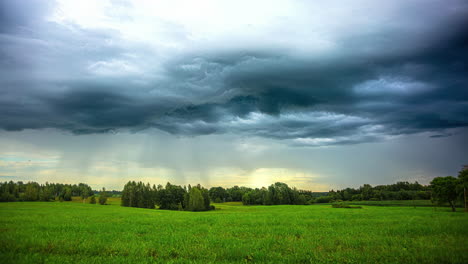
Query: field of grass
[{"x": 73, "y": 232}]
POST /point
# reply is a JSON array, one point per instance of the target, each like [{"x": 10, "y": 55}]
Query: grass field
[{"x": 73, "y": 232}]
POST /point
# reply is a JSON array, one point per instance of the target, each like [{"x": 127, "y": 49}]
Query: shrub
[
  {"x": 103, "y": 197},
  {"x": 102, "y": 200},
  {"x": 323, "y": 199}
]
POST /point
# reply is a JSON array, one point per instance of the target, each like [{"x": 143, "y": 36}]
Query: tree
[
  {"x": 171, "y": 197},
  {"x": 103, "y": 196},
  {"x": 463, "y": 185},
  {"x": 84, "y": 194},
  {"x": 32, "y": 191},
  {"x": 366, "y": 191},
  {"x": 45, "y": 194},
  {"x": 206, "y": 197},
  {"x": 92, "y": 200},
  {"x": 196, "y": 202},
  {"x": 246, "y": 199},
  {"x": 67, "y": 196},
  {"x": 444, "y": 189},
  {"x": 127, "y": 194},
  {"x": 218, "y": 194}
]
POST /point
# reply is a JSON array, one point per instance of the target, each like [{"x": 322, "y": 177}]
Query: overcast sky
[{"x": 317, "y": 94}]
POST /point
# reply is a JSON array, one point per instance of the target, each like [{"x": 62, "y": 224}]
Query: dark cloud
[
  {"x": 441, "y": 135},
  {"x": 410, "y": 93},
  {"x": 410, "y": 79},
  {"x": 19, "y": 14}
]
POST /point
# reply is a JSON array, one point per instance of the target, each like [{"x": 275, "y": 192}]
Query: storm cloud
[{"x": 363, "y": 74}]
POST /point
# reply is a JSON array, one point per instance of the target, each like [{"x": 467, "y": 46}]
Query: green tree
[
  {"x": 196, "y": 202},
  {"x": 366, "y": 191},
  {"x": 103, "y": 197},
  {"x": 32, "y": 192},
  {"x": 127, "y": 194},
  {"x": 84, "y": 194},
  {"x": 45, "y": 194},
  {"x": 67, "y": 196},
  {"x": 463, "y": 185},
  {"x": 92, "y": 200},
  {"x": 246, "y": 200},
  {"x": 218, "y": 194},
  {"x": 444, "y": 189}
]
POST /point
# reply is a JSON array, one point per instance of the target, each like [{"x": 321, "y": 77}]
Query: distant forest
[
  {"x": 33, "y": 191},
  {"x": 174, "y": 196},
  {"x": 197, "y": 198}
]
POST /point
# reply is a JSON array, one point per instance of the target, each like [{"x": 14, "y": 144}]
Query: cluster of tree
[
  {"x": 278, "y": 193},
  {"x": 170, "y": 197},
  {"x": 450, "y": 189},
  {"x": 33, "y": 191},
  {"x": 233, "y": 194},
  {"x": 397, "y": 191},
  {"x": 103, "y": 194}
]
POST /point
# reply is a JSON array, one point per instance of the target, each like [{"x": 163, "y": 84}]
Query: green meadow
[{"x": 73, "y": 232}]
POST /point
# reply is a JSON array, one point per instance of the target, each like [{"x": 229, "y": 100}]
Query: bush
[
  {"x": 324, "y": 199},
  {"x": 103, "y": 197},
  {"x": 301, "y": 199},
  {"x": 102, "y": 200},
  {"x": 92, "y": 200}
]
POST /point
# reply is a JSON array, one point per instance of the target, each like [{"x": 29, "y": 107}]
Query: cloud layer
[{"x": 302, "y": 72}]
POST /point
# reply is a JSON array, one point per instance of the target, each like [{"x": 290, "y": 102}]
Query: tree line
[
  {"x": 170, "y": 197},
  {"x": 173, "y": 197},
  {"x": 398, "y": 191},
  {"x": 281, "y": 193},
  {"x": 447, "y": 189},
  {"x": 198, "y": 198},
  {"x": 278, "y": 193},
  {"x": 33, "y": 191}
]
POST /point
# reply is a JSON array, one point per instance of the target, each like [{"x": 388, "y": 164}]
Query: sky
[{"x": 317, "y": 94}]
